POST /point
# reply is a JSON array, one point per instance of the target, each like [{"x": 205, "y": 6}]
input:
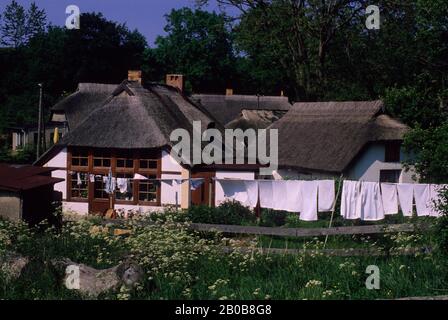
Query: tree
[
  {"x": 36, "y": 21},
  {"x": 199, "y": 45},
  {"x": 13, "y": 28},
  {"x": 19, "y": 26}
]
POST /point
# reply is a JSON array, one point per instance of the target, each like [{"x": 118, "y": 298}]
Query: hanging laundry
[
  {"x": 422, "y": 196},
  {"x": 350, "y": 193},
  {"x": 293, "y": 202},
  {"x": 326, "y": 195},
  {"x": 233, "y": 190},
  {"x": 252, "y": 193},
  {"x": 308, "y": 195},
  {"x": 78, "y": 178},
  {"x": 196, "y": 183},
  {"x": 266, "y": 194},
  {"x": 279, "y": 194},
  {"x": 92, "y": 178},
  {"x": 138, "y": 176},
  {"x": 370, "y": 205},
  {"x": 110, "y": 184},
  {"x": 406, "y": 198},
  {"x": 122, "y": 185},
  {"x": 389, "y": 196}
]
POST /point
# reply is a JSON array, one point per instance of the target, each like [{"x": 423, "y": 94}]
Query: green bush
[
  {"x": 441, "y": 233},
  {"x": 230, "y": 212},
  {"x": 273, "y": 218}
]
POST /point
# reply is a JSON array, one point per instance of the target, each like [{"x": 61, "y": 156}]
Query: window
[
  {"x": 147, "y": 191},
  {"x": 80, "y": 158},
  {"x": 102, "y": 160},
  {"x": 125, "y": 161},
  {"x": 125, "y": 187},
  {"x": 148, "y": 164},
  {"x": 393, "y": 150},
  {"x": 79, "y": 185},
  {"x": 390, "y": 176},
  {"x": 99, "y": 186}
]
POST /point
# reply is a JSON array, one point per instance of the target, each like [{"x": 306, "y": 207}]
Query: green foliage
[
  {"x": 429, "y": 153},
  {"x": 198, "y": 44},
  {"x": 230, "y": 212},
  {"x": 442, "y": 223},
  {"x": 19, "y": 26}
]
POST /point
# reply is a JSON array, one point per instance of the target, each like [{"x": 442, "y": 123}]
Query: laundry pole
[{"x": 341, "y": 181}]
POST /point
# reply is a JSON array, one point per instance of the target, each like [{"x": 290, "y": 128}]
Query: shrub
[
  {"x": 230, "y": 212},
  {"x": 441, "y": 233},
  {"x": 273, "y": 218}
]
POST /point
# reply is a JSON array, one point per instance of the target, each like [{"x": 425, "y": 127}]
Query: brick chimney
[
  {"x": 175, "y": 80},
  {"x": 229, "y": 92},
  {"x": 135, "y": 75}
]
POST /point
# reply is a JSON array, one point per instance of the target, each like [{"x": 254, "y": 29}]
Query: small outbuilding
[{"x": 27, "y": 193}]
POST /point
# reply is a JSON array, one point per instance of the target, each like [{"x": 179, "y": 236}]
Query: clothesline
[{"x": 368, "y": 201}]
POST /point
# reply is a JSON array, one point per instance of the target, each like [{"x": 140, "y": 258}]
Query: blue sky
[{"x": 145, "y": 15}]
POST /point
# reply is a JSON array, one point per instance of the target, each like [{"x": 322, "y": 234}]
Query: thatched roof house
[
  {"x": 126, "y": 129},
  {"x": 226, "y": 108},
  {"x": 331, "y": 137},
  {"x": 256, "y": 119}
]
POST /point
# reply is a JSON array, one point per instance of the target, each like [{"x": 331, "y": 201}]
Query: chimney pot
[
  {"x": 135, "y": 75},
  {"x": 175, "y": 80}
]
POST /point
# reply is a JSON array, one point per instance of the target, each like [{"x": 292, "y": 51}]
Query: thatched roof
[
  {"x": 327, "y": 136},
  {"x": 256, "y": 119},
  {"x": 83, "y": 102},
  {"x": 135, "y": 117},
  {"x": 227, "y": 108}
]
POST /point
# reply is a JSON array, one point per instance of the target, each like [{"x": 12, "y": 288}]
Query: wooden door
[
  {"x": 204, "y": 195},
  {"x": 99, "y": 200}
]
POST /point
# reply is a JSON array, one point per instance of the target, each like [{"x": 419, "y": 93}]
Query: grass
[{"x": 180, "y": 264}]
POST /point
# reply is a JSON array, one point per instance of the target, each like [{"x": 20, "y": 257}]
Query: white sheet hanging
[
  {"x": 308, "y": 195},
  {"x": 406, "y": 197},
  {"x": 293, "y": 202},
  {"x": 370, "y": 205},
  {"x": 252, "y": 193},
  {"x": 266, "y": 194},
  {"x": 279, "y": 195},
  {"x": 350, "y": 193},
  {"x": 422, "y": 196},
  {"x": 389, "y": 196},
  {"x": 326, "y": 195},
  {"x": 233, "y": 190}
]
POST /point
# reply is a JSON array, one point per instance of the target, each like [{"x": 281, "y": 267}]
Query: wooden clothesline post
[{"x": 334, "y": 208}]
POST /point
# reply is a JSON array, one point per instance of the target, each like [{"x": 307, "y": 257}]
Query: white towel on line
[
  {"x": 293, "y": 202},
  {"x": 252, "y": 193},
  {"x": 350, "y": 194},
  {"x": 308, "y": 195},
  {"x": 279, "y": 195},
  {"x": 233, "y": 190},
  {"x": 266, "y": 194},
  {"x": 406, "y": 197},
  {"x": 370, "y": 205},
  {"x": 389, "y": 196},
  {"x": 326, "y": 195},
  {"x": 422, "y": 196}
]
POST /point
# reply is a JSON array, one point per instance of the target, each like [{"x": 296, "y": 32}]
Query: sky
[{"x": 145, "y": 15}]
